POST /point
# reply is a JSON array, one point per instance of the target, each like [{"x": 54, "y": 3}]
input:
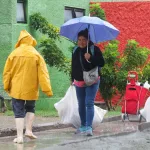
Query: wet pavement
[
  {"x": 109, "y": 135},
  {"x": 58, "y": 138}
]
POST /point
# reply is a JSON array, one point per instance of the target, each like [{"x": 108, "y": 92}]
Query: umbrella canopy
[{"x": 99, "y": 30}]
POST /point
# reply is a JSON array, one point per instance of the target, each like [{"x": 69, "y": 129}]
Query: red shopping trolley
[{"x": 134, "y": 98}]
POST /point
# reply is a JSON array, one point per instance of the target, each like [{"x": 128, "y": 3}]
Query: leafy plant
[
  {"x": 146, "y": 73},
  {"x": 108, "y": 73},
  {"x": 134, "y": 58},
  {"x": 51, "y": 52},
  {"x": 53, "y": 56},
  {"x": 97, "y": 11},
  {"x": 38, "y": 22}
]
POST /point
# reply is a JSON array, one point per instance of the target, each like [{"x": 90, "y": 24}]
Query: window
[
  {"x": 71, "y": 12},
  {"x": 21, "y": 18}
]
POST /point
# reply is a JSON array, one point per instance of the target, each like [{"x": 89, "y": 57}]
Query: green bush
[
  {"x": 97, "y": 11},
  {"x": 49, "y": 49}
]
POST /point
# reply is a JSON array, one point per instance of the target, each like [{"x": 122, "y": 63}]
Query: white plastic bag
[
  {"x": 67, "y": 105},
  {"x": 145, "y": 112},
  {"x": 146, "y": 85},
  {"x": 67, "y": 109}
]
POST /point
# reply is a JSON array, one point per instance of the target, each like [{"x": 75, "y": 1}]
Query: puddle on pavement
[
  {"x": 58, "y": 136},
  {"x": 45, "y": 139}
]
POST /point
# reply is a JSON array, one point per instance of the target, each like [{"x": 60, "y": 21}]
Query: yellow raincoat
[{"x": 25, "y": 70}]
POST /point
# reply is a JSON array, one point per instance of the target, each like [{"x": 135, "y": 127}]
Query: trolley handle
[{"x": 132, "y": 74}]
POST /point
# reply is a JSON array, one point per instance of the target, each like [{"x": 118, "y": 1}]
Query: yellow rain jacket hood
[
  {"x": 25, "y": 38},
  {"x": 25, "y": 70}
]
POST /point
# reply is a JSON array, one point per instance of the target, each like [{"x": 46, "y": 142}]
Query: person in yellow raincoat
[{"x": 24, "y": 71}]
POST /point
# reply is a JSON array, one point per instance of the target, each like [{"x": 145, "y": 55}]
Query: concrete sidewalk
[
  {"x": 109, "y": 126},
  {"x": 9, "y": 121},
  {"x": 108, "y": 135}
]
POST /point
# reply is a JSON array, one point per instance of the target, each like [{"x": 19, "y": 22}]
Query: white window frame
[
  {"x": 73, "y": 11},
  {"x": 24, "y": 12}
]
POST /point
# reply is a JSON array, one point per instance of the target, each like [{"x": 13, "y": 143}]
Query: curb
[
  {"x": 48, "y": 126},
  {"x": 143, "y": 126},
  {"x": 110, "y": 119},
  {"x": 56, "y": 125},
  {"x": 7, "y": 132},
  {"x": 36, "y": 128},
  {"x": 97, "y": 137}
]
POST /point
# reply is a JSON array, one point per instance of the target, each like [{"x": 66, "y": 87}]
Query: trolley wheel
[
  {"x": 127, "y": 116},
  {"x": 123, "y": 117},
  {"x": 140, "y": 117}
]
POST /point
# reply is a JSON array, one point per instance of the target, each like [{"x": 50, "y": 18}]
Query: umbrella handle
[
  {"x": 88, "y": 39},
  {"x": 87, "y": 46}
]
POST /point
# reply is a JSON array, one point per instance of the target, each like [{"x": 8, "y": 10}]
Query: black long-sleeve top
[{"x": 76, "y": 69}]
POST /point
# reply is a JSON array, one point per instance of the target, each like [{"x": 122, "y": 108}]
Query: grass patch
[
  {"x": 42, "y": 113},
  {"x": 115, "y": 112},
  {"x": 112, "y": 113},
  {"x": 9, "y": 113},
  {"x": 53, "y": 113},
  {"x": 45, "y": 108},
  {"x": 46, "y": 104},
  {"x": 48, "y": 113}
]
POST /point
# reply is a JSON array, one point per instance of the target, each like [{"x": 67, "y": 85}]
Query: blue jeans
[
  {"x": 21, "y": 107},
  {"x": 86, "y": 96}
]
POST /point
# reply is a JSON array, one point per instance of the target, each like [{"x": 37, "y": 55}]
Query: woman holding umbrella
[{"x": 84, "y": 59}]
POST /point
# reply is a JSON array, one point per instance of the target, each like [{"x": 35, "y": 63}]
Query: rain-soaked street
[
  {"x": 51, "y": 140},
  {"x": 115, "y": 135}
]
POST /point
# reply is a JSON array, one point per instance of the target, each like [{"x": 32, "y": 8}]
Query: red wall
[{"x": 132, "y": 19}]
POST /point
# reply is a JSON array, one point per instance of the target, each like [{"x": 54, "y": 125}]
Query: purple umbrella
[{"x": 99, "y": 30}]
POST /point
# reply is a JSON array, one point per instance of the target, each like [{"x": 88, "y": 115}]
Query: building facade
[{"x": 15, "y": 16}]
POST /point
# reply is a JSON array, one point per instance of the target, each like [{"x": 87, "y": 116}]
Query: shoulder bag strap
[{"x": 81, "y": 62}]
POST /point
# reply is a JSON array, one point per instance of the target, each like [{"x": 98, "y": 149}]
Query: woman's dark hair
[{"x": 84, "y": 33}]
